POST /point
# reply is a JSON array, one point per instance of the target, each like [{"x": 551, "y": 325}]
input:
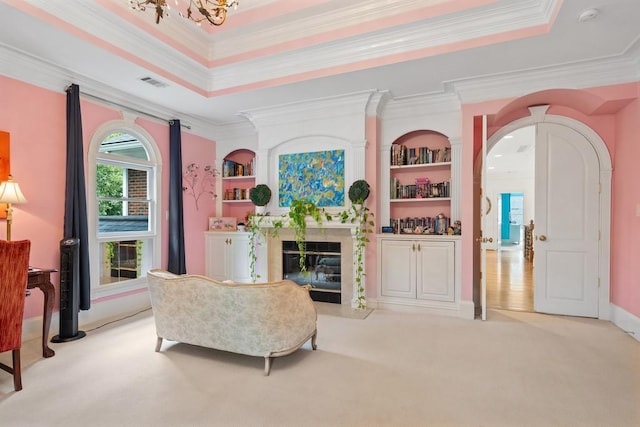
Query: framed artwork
[
  {"x": 317, "y": 176},
  {"x": 4, "y": 166},
  {"x": 222, "y": 223}
]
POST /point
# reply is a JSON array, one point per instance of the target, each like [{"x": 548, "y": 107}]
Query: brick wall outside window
[{"x": 137, "y": 189}]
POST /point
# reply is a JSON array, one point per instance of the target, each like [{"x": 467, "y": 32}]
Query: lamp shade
[{"x": 10, "y": 192}]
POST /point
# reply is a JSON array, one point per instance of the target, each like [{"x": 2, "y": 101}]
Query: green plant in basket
[
  {"x": 260, "y": 195},
  {"x": 360, "y": 215}
]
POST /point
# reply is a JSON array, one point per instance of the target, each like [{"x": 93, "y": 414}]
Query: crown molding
[
  {"x": 377, "y": 103},
  {"x": 599, "y": 72},
  {"x": 425, "y": 105},
  {"x": 172, "y": 64},
  {"x": 314, "y": 109},
  {"x": 128, "y": 38},
  {"x": 35, "y": 71},
  {"x": 417, "y": 36},
  {"x": 329, "y": 18}
]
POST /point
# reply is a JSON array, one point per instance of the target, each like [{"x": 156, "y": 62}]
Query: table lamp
[{"x": 10, "y": 194}]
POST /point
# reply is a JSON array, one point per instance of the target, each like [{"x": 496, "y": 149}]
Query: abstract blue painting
[{"x": 317, "y": 176}]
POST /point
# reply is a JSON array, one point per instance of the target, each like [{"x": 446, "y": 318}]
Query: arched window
[{"x": 123, "y": 207}]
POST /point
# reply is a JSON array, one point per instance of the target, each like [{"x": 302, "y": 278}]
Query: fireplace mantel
[{"x": 268, "y": 222}]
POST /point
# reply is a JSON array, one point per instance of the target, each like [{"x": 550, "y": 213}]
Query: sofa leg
[
  {"x": 267, "y": 366},
  {"x": 313, "y": 341},
  {"x": 17, "y": 370},
  {"x": 158, "y": 343}
]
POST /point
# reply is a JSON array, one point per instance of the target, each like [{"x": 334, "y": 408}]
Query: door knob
[
  {"x": 543, "y": 238},
  {"x": 484, "y": 239}
]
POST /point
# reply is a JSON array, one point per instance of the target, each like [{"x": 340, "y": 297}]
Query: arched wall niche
[{"x": 424, "y": 135}]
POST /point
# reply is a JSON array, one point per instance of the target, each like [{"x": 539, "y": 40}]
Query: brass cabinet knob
[{"x": 543, "y": 238}]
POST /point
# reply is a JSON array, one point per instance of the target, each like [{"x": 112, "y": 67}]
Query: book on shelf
[
  {"x": 403, "y": 156},
  {"x": 422, "y": 189},
  {"x": 236, "y": 194},
  {"x": 231, "y": 168},
  {"x": 430, "y": 225}
]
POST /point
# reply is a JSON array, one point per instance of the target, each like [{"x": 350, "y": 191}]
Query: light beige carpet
[
  {"x": 391, "y": 369},
  {"x": 342, "y": 310}
]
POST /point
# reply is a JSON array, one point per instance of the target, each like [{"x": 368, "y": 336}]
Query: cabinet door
[
  {"x": 239, "y": 259},
  {"x": 435, "y": 271},
  {"x": 398, "y": 278},
  {"x": 218, "y": 256}
]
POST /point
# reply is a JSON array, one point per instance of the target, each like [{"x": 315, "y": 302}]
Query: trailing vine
[
  {"x": 256, "y": 231},
  {"x": 298, "y": 212},
  {"x": 358, "y": 214}
]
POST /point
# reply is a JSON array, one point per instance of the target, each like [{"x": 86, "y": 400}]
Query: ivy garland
[{"x": 357, "y": 214}]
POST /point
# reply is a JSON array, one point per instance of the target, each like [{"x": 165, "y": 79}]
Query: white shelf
[
  {"x": 237, "y": 201},
  {"x": 232, "y": 178},
  {"x": 425, "y": 199},
  {"x": 421, "y": 166}
]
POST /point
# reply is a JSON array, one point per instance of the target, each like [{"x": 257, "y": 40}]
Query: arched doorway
[
  {"x": 510, "y": 188},
  {"x": 551, "y": 266}
]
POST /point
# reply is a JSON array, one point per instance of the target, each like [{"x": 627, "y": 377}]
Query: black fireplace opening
[{"x": 324, "y": 268}]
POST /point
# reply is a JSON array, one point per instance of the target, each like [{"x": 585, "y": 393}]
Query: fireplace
[
  {"x": 332, "y": 241},
  {"x": 324, "y": 268}
]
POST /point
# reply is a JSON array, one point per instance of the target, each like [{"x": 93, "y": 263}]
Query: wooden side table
[{"x": 41, "y": 279}]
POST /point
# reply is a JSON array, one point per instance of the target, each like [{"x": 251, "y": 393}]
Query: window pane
[
  {"x": 124, "y": 145},
  {"x": 123, "y": 204},
  {"x": 137, "y": 187},
  {"x": 109, "y": 181},
  {"x": 123, "y": 260}
]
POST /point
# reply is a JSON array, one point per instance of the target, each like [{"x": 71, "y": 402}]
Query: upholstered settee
[{"x": 262, "y": 319}]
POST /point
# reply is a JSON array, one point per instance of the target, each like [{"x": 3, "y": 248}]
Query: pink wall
[
  {"x": 613, "y": 113},
  {"x": 202, "y": 152},
  {"x": 36, "y": 121},
  {"x": 625, "y": 268}
]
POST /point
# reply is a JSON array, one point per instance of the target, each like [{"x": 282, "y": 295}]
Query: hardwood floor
[{"x": 509, "y": 280}]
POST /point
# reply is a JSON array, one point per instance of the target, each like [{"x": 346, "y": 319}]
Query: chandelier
[{"x": 214, "y": 11}]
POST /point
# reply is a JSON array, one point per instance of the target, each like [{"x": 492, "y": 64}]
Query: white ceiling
[
  {"x": 271, "y": 52},
  {"x": 513, "y": 156}
]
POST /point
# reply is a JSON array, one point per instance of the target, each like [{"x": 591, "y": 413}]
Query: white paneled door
[{"x": 567, "y": 223}]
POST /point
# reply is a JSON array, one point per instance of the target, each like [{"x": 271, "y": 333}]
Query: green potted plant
[
  {"x": 360, "y": 215},
  {"x": 260, "y": 195}
]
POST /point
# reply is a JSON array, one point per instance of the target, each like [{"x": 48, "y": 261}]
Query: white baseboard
[
  {"x": 467, "y": 310},
  {"x": 414, "y": 306},
  {"x": 101, "y": 312},
  {"x": 626, "y": 321}
]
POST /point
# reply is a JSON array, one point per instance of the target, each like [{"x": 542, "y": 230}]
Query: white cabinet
[
  {"x": 417, "y": 270},
  {"x": 227, "y": 256}
]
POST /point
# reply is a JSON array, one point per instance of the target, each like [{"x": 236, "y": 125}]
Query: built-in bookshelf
[
  {"x": 238, "y": 177},
  {"x": 420, "y": 183}
]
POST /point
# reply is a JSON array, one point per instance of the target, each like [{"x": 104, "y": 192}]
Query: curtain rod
[{"x": 124, "y": 107}]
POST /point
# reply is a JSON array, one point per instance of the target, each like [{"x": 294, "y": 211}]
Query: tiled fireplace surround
[{"x": 328, "y": 232}]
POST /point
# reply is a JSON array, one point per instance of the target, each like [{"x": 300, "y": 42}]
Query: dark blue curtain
[
  {"x": 75, "y": 206},
  {"x": 177, "y": 263}
]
